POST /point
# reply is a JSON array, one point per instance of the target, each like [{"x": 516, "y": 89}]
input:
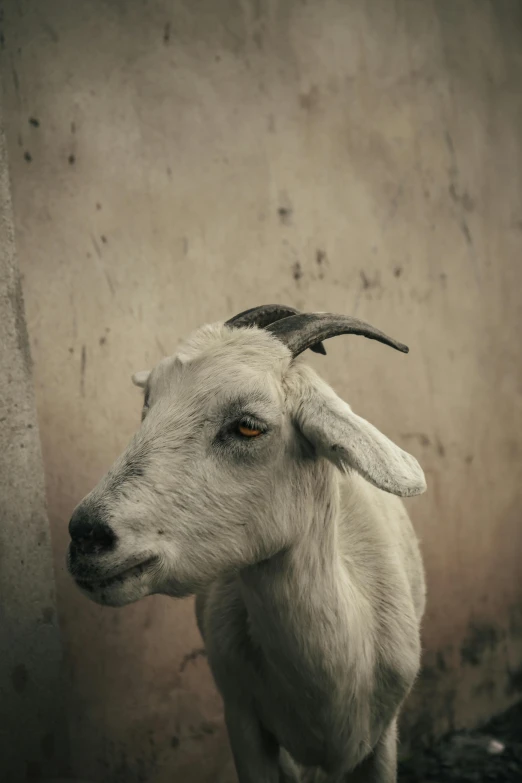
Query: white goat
[{"x": 252, "y": 485}]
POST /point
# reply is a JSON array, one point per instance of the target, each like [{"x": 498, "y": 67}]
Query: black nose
[{"x": 89, "y": 531}]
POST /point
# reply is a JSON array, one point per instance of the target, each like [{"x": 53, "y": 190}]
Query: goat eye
[
  {"x": 248, "y": 432},
  {"x": 249, "y": 429}
]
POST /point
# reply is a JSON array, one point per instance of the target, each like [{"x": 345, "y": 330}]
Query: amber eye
[{"x": 248, "y": 432}]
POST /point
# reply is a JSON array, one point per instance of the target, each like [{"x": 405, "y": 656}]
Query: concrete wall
[
  {"x": 176, "y": 162},
  {"x": 33, "y": 740}
]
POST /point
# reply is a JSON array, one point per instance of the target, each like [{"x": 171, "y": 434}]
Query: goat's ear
[
  {"x": 140, "y": 378},
  {"x": 349, "y": 441}
]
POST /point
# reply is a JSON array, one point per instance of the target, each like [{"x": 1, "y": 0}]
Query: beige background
[{"x": 176, "y": 162}]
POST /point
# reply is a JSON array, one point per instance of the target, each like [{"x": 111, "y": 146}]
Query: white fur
[{"x": 309, "y": 582}]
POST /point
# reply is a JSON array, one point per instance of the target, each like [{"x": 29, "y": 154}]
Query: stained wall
[{"x": 174, "y": 163}]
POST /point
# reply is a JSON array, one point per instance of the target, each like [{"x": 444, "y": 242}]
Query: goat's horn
[
  {"x": 265, "y": 315},
  {"x": 299, "y": 332}
]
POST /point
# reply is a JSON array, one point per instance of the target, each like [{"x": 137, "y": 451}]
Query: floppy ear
[{"x": 347, "y": 440}]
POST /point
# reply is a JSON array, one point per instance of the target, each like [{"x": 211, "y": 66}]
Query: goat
[{"x": 252, "y": 485}]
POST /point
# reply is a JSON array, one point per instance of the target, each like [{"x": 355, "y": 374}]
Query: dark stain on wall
[
  {"x": 192, "y": 656},
  {"x": 485, "y": 689},
  {"x": 297, "y": 271},
  {"x": 514, "y": 686},
  {"x": 309, "y": 100},
  {"x": 480, "y": 639},
  {"x": 122, "y": 768},
  {"x": 441, "y": 662},
  {"x": 285, "y": 215},
  {"x": 370, "y": 282},
  {"x": 321, "y": 259},
  {"x": 438, "y": 690}
]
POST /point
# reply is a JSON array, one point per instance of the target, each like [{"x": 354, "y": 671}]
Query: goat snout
[{"x": 90, "y": 533}]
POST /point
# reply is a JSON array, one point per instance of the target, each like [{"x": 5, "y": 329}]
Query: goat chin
[
  {"x": 130, "y": 587},
  {"x": 117, "y": 595},
  {"x": 123, "y": 589}
]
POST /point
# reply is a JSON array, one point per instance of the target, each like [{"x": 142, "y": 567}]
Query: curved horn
[
  {"x": 261, "y": 316},
  {"x": 264, "y": 316},
  {"x": 299, "y": 332}
]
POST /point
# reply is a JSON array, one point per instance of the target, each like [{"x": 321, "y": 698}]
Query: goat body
[{"x": 253, "y": 486}]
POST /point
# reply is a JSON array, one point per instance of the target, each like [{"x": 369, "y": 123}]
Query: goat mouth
[{"x": 92, "y": 585}]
